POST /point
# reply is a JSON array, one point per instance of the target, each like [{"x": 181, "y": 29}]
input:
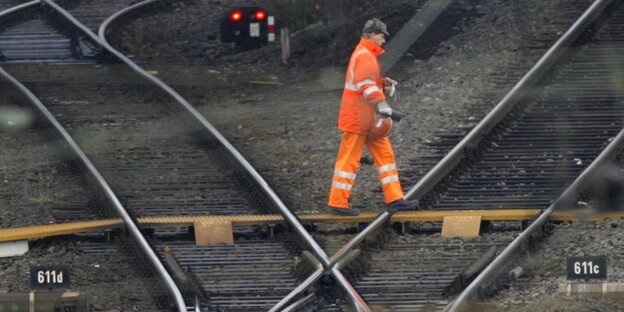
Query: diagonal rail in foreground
[
  {"x": 567, "y": 198},
  {"x": 354, "y": 298},
  {"x": 473, "y": 138},
  {"x": 569, "y": 195}
]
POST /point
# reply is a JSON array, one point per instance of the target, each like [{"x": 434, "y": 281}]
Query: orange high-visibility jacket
[{"x": 363, "y": 89}]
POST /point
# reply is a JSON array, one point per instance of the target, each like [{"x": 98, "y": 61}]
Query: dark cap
[{"x": 375, "y": 25}]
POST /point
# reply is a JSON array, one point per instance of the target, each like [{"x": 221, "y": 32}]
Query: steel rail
[
  {"x": 474, "y": 137},
  {"x": 299, "y": 304},
  {"x": 306, "y": 284},
  {"x": 19, "y": 7},
  {"x": 95, "y": 174},
  {"x": 289, "y": 216},
  {"x": 461, "y": 303},
  {"x": 354, "y": 298},
  {"x": 91, "y": 169},
  {"x": 568, "y": 196},
  {"x": 105, "y": 188}
]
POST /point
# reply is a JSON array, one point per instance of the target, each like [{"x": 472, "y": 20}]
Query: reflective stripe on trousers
[{"x": 348, "y": 164}]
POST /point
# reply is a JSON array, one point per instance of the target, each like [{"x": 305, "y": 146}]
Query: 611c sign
[
  {"x": 587, "y": 267},
  {"x": 49, "y": 276}
]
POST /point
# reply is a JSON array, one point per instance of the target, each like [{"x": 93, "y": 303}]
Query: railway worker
[{"x": 362, "y": 99}]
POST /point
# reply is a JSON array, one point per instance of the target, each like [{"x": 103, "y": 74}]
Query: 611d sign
[
  {"x": 49, "y": 276},
  {"x": 587, "y": 267}
]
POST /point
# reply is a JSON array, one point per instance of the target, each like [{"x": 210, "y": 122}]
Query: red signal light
[
  {"x": 236, "y": 16},
  {"x": 260, "y": 15}
]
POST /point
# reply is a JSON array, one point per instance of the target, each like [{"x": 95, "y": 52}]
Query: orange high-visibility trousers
[{"x": 348, "y": 163}]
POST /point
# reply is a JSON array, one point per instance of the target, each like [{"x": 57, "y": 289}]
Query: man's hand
[
  {"x": 390, "y": 82},
  {"x": 384, "y": 109}
]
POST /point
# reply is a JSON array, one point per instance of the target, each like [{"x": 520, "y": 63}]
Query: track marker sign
[
  {"x": 55, "y": 276},
  {"x": 586, "y": 267}
]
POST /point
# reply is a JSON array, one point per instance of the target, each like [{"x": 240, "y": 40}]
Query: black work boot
[
  {"x": 344, "y": 212},
  {"x": 402, "y": 205}
]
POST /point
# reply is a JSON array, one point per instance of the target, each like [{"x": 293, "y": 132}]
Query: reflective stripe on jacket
[{"x": 363, "y": 88}]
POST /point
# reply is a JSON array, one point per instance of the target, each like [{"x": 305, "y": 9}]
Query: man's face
[{"x": 378, "y": 39}]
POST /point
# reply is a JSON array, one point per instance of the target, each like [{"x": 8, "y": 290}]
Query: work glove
[{"x": 384, "y": 109}]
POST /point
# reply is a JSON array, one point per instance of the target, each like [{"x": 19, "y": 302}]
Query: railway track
[
  {"x": 37, "y": 37},
  {"x": 537, "y": 42},
  {"x": 40, "y": 184},
  {"x": 158, "y": 160},
  {"x": 527, "y": 160},
  {"x": 584, "y": 84},
  {"x": 33, "y": 169},
  {"x": 133, "y": 132}
]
